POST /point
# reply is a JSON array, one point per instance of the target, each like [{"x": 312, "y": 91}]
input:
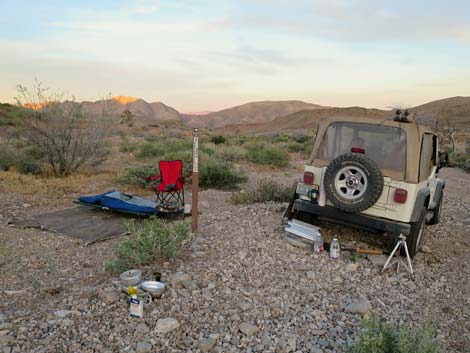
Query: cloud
[
  {"x": 363, "y": 20},
  {"x": 146, "y": 7}
]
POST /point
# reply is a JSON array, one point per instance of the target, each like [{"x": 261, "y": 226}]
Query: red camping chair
[{"x": 170, "y": 190}]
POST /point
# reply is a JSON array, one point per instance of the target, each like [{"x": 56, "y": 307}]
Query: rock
[
  {"x": 6, "y": 339},
  {"x": 64, "y": 313},
  {"x": 359, "y": 307},
  {"x": 300, "y": 267},
  {"x": 180, "y": 277},
  {"x": 292, "y": 343},
  {"x": 243, "y": 254},
  {"x": 318, "y": 332},
  {"x": 351, "y": 267},
  {"x": 264, "y": 343},
  {"x": 166, "y": 325},
  {"x": 143, "y": 347},
  {"x": 248, "y": 328},
  {"x": 311, "y": 274},
  {"x": 108, "y": 297},
  {"x": 378, "y": 260},
  {"x": 206, "y": 344},
  {"x": 142, "y": 328},
  {"x": 426, "y": 249},
  {"x": 204, "y": 205}
]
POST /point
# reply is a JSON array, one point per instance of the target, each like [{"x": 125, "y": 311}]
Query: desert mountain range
[{"x": 275, "y": 115}]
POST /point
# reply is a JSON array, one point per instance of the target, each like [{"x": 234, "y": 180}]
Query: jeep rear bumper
[{"x": 352, "y": 219}]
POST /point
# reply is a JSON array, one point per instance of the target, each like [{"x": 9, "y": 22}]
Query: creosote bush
[
  {"x": 267, "y": 154},
  {"x": 460, "y": 160},
  {"x": 219, "y": 175},
  {"x": 218, "y": 139},
  {"x": 377, "y": 336},
  {"x": 150, "y": 240},
  {"x": 139, "y": 176},
  {"x": 66, "y": 138},
  {"x": 265, "y": 191}
]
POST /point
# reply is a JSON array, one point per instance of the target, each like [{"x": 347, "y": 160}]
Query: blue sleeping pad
[{"x": 117, "y": 201}]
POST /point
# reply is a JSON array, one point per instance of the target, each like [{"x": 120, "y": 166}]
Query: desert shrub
[
  {"x": 207, "y": 148},
  {"x": 265, "y": 191},
  {"x": 26, "y": 166},
  {"x": 267, "y": 154},
  {"x": 158, "y": 149},
  {"x": 66, "y": 138},
  {"x": 149, "y": 150},
  {"x": 7, "y": 157},
  {"x": 174, "y": 133},
  {"x": 460, "y": 160},
  {"x": 277, "y": 138},
  {"x": 379, "y": 337},
  {"x": 139, "y": 176},
  {"x": 217, "y": 140},
  {"x": 128, "y": 147},
  {"x": 230, "y": 153},
  {"x": 301, "y": 138},
  {"x": 219, "y": 175},
  {"x": 24, "y": 159},
  {"x": 295, "y": 147},
  {"x": 150, "y": 240}
]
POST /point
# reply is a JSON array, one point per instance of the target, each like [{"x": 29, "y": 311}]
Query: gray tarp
[{"x": 80, "y": 222}]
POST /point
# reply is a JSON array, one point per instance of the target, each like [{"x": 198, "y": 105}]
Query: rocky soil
[{"x": 238, "y": 287}]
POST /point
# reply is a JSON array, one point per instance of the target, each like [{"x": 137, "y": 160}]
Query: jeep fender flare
[
  {"x": 440, "y": 186},
  {"x": 421, "y": 198}
]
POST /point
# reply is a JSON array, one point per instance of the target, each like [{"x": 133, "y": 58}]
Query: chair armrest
[{"x": 154, "y": 178}]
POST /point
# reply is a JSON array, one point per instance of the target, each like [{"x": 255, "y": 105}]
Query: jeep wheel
[
  {"x": 353, "y": 182},
  {"x": 413, "y": 240},
  {"x": 436, "y": 213}
]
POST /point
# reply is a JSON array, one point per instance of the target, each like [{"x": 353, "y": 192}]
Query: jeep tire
[
  {"x": 353, "y": 182},
  {"x": 415, "y": 237}
]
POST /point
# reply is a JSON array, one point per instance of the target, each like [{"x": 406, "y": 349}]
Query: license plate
[{"x": 307, "y": 190}]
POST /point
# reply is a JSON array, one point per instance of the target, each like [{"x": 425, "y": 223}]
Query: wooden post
[{"x": 195, "y": 191}]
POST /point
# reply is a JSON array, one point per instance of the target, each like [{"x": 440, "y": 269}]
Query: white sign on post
[{"x": 196, "y": 151}]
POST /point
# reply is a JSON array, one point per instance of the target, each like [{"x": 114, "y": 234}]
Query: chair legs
[{"x": 170, "y": 197}]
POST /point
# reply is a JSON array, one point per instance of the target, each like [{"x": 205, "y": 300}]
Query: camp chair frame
[{"x": 171, "y": 186}]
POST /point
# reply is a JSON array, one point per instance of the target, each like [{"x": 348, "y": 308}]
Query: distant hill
[
  {"x": 256, "y": 112},
  {"x": 454, "y": 111},
  {"x": 145, "y": 113},
  {"x": 308, "y": 119}
]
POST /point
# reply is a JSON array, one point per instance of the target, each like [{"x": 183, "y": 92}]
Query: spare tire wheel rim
[{"x": 351, "y": 182}]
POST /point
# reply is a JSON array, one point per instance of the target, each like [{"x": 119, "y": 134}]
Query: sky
[{"x": 200, "y": 55}]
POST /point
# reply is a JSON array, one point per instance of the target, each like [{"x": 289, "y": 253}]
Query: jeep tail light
[
  {"x": 358, "y": 150},
  {"x": 308, "y": 178},
  {"x": 400, "y": 195}
]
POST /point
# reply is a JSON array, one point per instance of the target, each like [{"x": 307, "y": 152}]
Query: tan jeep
[{"x": 375, "y": 174}]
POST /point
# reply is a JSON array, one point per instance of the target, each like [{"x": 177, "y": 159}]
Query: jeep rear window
[{"x": 386, "y": 145}]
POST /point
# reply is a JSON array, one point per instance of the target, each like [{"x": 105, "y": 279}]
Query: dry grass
[{"x": 12, "y": 181}]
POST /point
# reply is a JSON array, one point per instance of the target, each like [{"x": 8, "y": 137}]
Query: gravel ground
[{"x": 239, "y": 287}]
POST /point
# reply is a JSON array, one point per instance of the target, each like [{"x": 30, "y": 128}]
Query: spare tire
[{"x": 353, "y": 182}]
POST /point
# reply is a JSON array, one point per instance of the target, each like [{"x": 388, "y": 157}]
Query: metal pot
[
  {"x": 155, "y": 288},
  {"x": 131, "y": 278}
]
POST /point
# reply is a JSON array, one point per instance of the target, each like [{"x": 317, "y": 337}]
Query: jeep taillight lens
[
  {"x": 400, "y": 195},
  {"x": 358, "y": 150},
  {"x": 308, "y": 178}
]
